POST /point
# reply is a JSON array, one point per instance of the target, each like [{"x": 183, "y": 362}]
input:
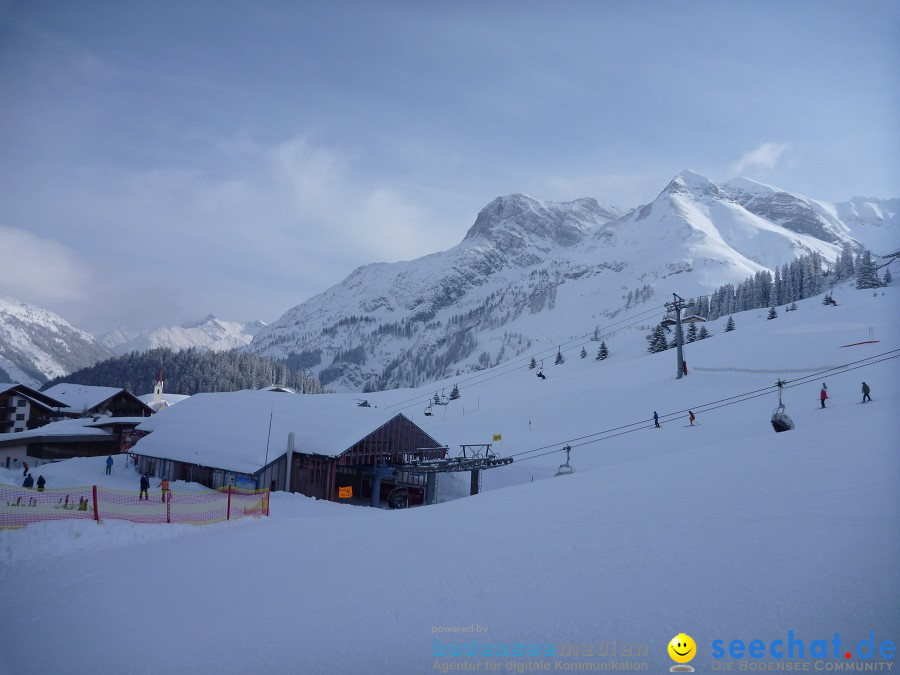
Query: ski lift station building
[{"x": 312, "y": 444}]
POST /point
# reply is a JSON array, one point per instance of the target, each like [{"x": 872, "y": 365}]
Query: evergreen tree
[
  {"x": 793, "y": 307},
  {"x": 455, "y": 393},
  {"x": 657, "y": 340},
  {"x": 887, "y": 276},
  {"x": 692, "y": 332},
  {"x": 583, "y": 352},
  {"x": 603, "y": 352},
  {"x": 532, "y": 364},
  {"x": 772, "y": 314},
  {"x": 866, "y": 275},
  {"x": 730, "y": 325},
  {"x": 596, "y": 336},
  {"x": 703, "y": 333},
  {"x": 559, "y": 358},
  {"x": 845, "y": 267}
]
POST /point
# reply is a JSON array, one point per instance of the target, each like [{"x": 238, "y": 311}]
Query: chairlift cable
[{"x": 704, "y": 407}]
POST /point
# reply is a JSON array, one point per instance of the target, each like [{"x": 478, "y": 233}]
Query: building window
[
  {"x": 20, "y": 416},
  {"x": 21, "y": 403},
  {"x": 17, "y": 429}
]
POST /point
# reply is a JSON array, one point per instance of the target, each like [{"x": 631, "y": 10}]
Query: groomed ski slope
[{"x": 723, "y": 531}]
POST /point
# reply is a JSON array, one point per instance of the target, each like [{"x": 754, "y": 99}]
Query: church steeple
[{"x": 157, "y": 392}]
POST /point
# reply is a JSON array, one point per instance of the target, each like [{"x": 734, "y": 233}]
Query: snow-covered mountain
[
  {"x": 486, "y": 300},
  {"x": 37, "y": 345},
  {"x": 209, "y": 333}
]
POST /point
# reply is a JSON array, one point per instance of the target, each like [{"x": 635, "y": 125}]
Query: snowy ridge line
[
  {"x": 767, "y": 370},
  {"x": 703, "y": 407},
  {"x": 482, "y": 377}
]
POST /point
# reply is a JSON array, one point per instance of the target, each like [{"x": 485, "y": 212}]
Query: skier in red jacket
[{"x": 823, "y": 395}]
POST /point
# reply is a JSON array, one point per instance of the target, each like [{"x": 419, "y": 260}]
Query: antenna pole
[{"x": 269, "y": 437}]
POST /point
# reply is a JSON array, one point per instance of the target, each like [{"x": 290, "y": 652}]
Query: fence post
[
  {"x": 268, "y": 494},
  {"x": 228, "y": 511},
  {"x": 96, "y": 508},
  {"x": 168, "y": 506}
]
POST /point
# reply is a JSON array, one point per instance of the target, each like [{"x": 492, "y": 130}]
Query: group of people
[
  {"x": 145, "y": 486},
  {"x": 823, "y": 393},
  {"x": 29, "y": 482},
  {"x": 691, "y": 418}
]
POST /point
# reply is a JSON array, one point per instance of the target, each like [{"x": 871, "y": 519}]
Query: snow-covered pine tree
[
  {"x": 455, "y": 393},
  {"x": 692, "y": 332},
  {"x": 532, "y": 364},
  {"x": 583, "y": 352},
  {"x": 845, "y": 266},
  {"x": 656, "y": 340},
  {"x": 703, "y": 333},
  {"x": 603, "y": 352},
  {"x": 793, "y": 307},
  {"x": 772, "y": 314},
  {"x": 730, "y": 325},
  {"x": 887, "y": 276},
  {"x": 866, "y": 274},
  {"x": 559, "y": 358}
]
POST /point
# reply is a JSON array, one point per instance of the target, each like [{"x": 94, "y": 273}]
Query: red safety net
[{"x": 21, "y": 506}]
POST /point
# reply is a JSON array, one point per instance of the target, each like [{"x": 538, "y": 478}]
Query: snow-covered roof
[
  {"x": 79, "y": 397},
  {"x": 80, "y": 427},
  {"x": 231, "y": 430},
  {"x": 31, "y": 394}
]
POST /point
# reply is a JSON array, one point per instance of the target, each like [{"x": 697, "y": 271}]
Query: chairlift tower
[{"x": 676, "y": 306}]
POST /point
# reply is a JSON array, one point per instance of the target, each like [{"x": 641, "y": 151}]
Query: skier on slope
[
  {"x": 865, "y": 393},
  {"x": 164, "y": 484},
  {"x": 145, "y": 485},
  {"x": 823, "y": 395},
  {"x": 28, "y": 482},
  {"x": 692, "y": 416},
  {"x": 656, "y": 419}
]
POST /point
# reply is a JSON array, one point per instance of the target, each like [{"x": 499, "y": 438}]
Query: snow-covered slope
[
  {"x": 484, "y": 300},
  {"x": 209, "y": 333},
  {"x": 724, "y": 531},
  {"x": 37, "y": 345}
]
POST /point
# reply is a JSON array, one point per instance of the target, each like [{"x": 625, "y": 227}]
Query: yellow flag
[
  {"x": 498, "y": 437},
  {"x": 345, "y": 492}
]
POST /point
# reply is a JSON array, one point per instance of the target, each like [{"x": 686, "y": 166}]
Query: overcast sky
[{"x": 163, "y": 160}]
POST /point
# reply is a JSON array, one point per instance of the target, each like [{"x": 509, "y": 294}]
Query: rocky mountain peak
[{"x": 517, "y": 219}]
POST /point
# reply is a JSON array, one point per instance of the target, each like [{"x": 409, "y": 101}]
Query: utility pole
[{"x": 676, "y": 306}]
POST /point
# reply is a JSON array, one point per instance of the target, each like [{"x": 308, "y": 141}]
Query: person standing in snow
[
  {"x": 692, "y": 416},
  {"x": 24, "y": 468},
  {"x": 164, "y": 484},
  {"x": 28, "y": 482},
  {"x": 865, "y": 393},
  {"x": 109, "y": 463},
  {"x": 41, "y": 482},
  {"x": 145, "y": 485},
  {"x": 656, "y": 419},
  {"x": 823, "y": 395}
]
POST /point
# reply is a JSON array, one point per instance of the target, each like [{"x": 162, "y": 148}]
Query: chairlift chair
[
  {"x": 428, "y": 411},
  {"x": 540, "y": 372},
  {"x": 565, "y": 469},
  {"x": 780, "y": 419}
]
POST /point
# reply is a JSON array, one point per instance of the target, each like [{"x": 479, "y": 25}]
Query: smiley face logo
[{"x": 682, "y": 648}]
